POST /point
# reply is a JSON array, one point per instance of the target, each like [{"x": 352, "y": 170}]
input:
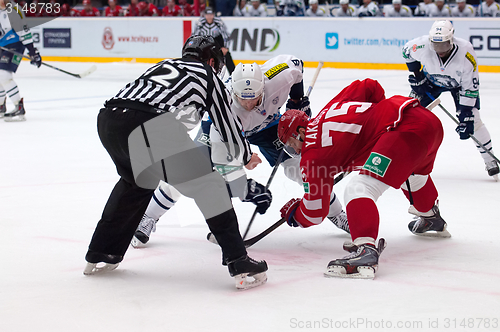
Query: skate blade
[
  {"x": 17, "y": 118},
  {"x": 98, "y": 268},
  {"x": 243, "y": 284},
  {"x": 137, "y": 244},
  {"x": 364, "y": 272},
  {"x": 443, "y": 234},
  {"x": 495, "y": 177}
]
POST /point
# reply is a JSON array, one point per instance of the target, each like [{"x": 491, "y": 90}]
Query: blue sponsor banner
[{"x": 57, "y": 38}]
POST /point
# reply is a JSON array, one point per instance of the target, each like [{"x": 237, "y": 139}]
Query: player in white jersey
[
  {"x": 315, "y": 10},
  {"x": 489, "y": 8},
  {"x": 368, "y": 8},
  {"x": 397, "y": 10},
  {"x": 345, "y": 10},
  {"x": 258, "y": 92},
  {"x": 454, "y": 69},
  {"x": 16, "y": 36},
  {"x": 424, "y": 8},
  {"x": 463, "y": 9},
  {"x": 440, "y": 10},
  {"x": 255, "y": 9}
]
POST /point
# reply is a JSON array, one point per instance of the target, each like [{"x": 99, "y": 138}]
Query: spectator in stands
[
  {"x": 132, "y": 9},
  {"x": 463, "y": 10},
  {"x": 489, "y": 8},
  {"x": 113, "y": 9},
  {"x": 239, "y": 8},
  {"x": 315, "y": 10},
  {"x": 369, "y": 8},
  {"x": 440, "y": 10},
  {"x": 171, "y": 9},
  {"x": 397, "y": 10},
  {"x": 290, "y": 8},
  {"x": 186, "y": 8},
  {"x": 36, "y": 10},
  {"x": 424, "y": 8},
  {"x": 148, "y": 9},
  {"x": 67, "y": 11},
  {"x": 346, "y": 9},
  {"x": 88, "y": 9},
  {"x": 225, "y": 7},
  {"x": 255, "y": 8}
]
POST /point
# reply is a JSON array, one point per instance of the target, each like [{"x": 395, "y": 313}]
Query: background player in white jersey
[
  {"x": 315, "y": 10},
  {"x": 345, "y": 10},
  {"x": 16, "y": 36},
  {"x": 258, "y": 92},
  {"x": 489, "y": 8},
  {"x": 440, "y": 10},
  {"x": 454, "y": 69},
  {"x": 254, "y": 8},
  {"x": 368, "y": 8},
  {"x": 462, "y": 9},
  {"x": 397, "y": 10},
  {"x": 290, "y": 8},
  {"x": 424, "y": 8}
]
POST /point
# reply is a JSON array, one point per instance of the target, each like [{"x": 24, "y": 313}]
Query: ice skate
[
  {"x": 428, "y": 224},
  {"x": 244, "y": 267},
  {"x": 492, "y": 169},
  {"x": 3, "y": 108},
  {"x": 98, "y": 263},
  {"x": 143, "y": 232},
  {"x": 17, "y": 114},
  {"x": 360, "y": 264},
  {"x": 340, "y": 220}
]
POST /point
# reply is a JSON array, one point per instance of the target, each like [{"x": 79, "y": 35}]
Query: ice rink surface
[{"x": 56, "y": 178}]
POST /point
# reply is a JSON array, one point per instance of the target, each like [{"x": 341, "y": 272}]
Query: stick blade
[{"x": 88, "y": 72}]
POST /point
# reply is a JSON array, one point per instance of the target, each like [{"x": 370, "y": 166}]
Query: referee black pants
[{"x": 127, "y": 202}]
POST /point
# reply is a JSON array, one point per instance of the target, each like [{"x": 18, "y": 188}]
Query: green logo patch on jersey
[
  {"x": 224, "y": 170},
  {"x": 306, "y": 187},
  {"x": 377, "y": 164}
]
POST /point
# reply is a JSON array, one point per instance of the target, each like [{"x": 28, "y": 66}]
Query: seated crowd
[{"x": 318, "y": 8}]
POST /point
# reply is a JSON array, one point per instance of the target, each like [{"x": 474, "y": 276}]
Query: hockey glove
[
  {"x": 466, "y": 118},
  {"x": 36, "y": 59},
  {"x": 288, "y": 210},
  {"x": 258, "y": 195},
  {"x": 420, "y": 84},
  {"x": 302, "y": 105}
]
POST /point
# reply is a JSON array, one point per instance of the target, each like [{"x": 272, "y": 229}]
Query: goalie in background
[
  {"x": 16, "y": 36},
  {"x": 454, "y": 69}
]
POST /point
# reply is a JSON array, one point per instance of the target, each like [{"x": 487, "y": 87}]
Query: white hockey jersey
[
  {"x": 320, "y": 12},
  {"x": 486, "y": 10},
  {"x": 280, "y": 73},
  {"x": 434, "y": 11},
  {"x": 13, "y": 26},
  {"x": 370, "y": 10},
  {"x": 458, "y": 72},
  {"x": 250, "y": 11},
  {"x": 405, "y": 11},
  {"x": 468, "y": 11},
  {"x": 351, "y": 11},
  {"x": 424, "y": 9}
]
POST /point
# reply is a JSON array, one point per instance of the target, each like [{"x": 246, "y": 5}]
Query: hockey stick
[
  {"x": 82, "y": 75},
  {"x": 471, "y": 136},
  {"x": 257, "y": 238},
  {"x": 280, "y": 157}
]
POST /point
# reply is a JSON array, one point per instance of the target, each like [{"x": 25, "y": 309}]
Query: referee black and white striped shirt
[
  {"x": 214, "y": 29},
  {"x": 188, "y": 88}
]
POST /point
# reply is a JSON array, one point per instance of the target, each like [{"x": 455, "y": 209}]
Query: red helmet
[
  {"x": 142, "y": 5},
  {"x": 289, "y": 124}
]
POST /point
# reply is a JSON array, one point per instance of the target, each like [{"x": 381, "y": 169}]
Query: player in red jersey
[
  {"x": 89, "y": 10},
  {"x": 171, "y": 9},
  {"x": 392, "y": 142},
  {"x": 148, "y": 9},
  {"x": 113, "y": 9}
]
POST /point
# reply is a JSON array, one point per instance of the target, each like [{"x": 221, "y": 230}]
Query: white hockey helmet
[
  {"x": 247, "y": 81},
  {"x": 441, "y": 36}
]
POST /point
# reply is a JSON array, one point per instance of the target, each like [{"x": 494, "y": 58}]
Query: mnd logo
[{"x": 332, "y": 40}]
